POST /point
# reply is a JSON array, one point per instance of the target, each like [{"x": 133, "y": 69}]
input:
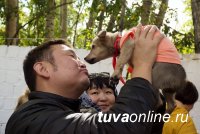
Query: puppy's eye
[{"x": 93, "y": 46}]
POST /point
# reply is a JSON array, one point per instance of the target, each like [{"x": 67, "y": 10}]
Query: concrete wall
[{"x": 12, "y": 83}]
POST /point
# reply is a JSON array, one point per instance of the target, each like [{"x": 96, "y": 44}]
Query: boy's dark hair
[
  {"x": 101, "y": 80},
  {"x": 188, "y": 95},
  {"x": 39, "y": 53}
]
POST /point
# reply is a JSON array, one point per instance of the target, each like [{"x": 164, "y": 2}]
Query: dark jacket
[{"x": 47, "y": 113}]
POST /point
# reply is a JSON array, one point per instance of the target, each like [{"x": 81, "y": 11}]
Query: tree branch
[{"x": 38, "y": 15}]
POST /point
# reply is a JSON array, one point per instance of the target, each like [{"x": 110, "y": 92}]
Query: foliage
[
  {"x": 2, "y": 12},
  {"x": 184, "y": 42},
  {"x": 184, "y": 37},
  {"x": 81, "y": 38},
  {"x": 32, "y": 19},
  {"x": 2, "y": 21},
  {"x": 132, "y": 16}
]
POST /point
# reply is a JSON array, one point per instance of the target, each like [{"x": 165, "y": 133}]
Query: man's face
[{"x": 69, "y": 72}]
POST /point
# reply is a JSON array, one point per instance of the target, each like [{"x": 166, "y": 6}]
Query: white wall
[{"x": 12, "y": 83}]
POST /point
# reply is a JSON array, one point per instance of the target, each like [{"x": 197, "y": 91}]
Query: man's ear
[{"x": 41, "y": 69}]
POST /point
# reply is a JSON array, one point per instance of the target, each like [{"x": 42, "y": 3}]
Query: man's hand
[{"x": 145, "y": 50}]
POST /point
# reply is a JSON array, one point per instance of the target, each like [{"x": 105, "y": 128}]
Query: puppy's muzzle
[
  {"x": 91, "y": 61},
  {"x": 114, "y": 81}
]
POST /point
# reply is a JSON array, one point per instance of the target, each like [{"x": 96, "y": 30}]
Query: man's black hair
[{"x": 39, "y": 53}]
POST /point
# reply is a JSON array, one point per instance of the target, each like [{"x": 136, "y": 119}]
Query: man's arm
[
  {"x": 137, "y": 96},
  {"x": 145, "y": 51}
]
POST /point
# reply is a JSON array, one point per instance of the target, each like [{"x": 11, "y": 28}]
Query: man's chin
[{"x": 86, "y": 84}]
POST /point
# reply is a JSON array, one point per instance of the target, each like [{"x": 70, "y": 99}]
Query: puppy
[{"x": 167, "y": 72}]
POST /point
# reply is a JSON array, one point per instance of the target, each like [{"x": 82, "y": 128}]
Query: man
[{"x": 56, "y": 78}]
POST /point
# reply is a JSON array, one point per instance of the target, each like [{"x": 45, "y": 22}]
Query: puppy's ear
[{"x": 102, "y": 34}]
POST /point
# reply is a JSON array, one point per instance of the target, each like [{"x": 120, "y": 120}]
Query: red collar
[
  {"x": 116, "y": 53},
  {"x": 116, "y": 50}
]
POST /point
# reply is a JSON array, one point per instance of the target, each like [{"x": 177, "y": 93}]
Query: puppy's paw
[{"x": 114, "y": 81}]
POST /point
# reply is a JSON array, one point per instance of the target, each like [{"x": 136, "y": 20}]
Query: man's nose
[{"x": 82, "y": 64}]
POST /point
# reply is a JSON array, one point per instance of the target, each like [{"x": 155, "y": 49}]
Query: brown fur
[{"x": 166, "y": 76}]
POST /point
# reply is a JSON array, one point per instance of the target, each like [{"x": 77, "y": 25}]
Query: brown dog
[{"x": 167, "y": 74}]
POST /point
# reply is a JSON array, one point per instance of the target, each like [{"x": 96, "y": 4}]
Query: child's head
[{"x": 187, "y": 96}]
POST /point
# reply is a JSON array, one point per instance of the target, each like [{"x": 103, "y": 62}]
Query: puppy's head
[{"x": 102, "y": 46}]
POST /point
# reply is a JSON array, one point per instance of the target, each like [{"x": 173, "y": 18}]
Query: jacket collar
[{"x": 73, "y": 104}]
